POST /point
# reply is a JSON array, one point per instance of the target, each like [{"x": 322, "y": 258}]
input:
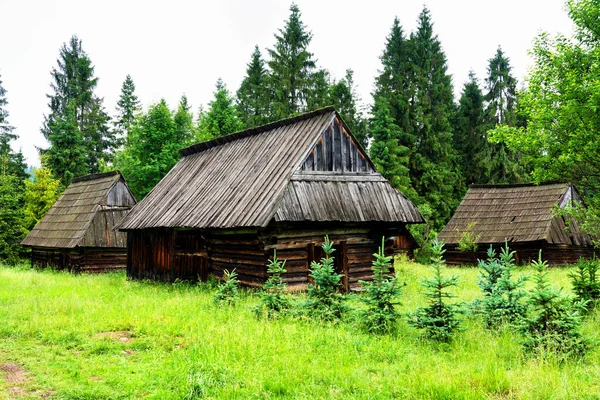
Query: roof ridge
[
  {"x": 92, "y": 177},
  {"x": 199, "y": 147},
  {"x": 516, "y": 185}
]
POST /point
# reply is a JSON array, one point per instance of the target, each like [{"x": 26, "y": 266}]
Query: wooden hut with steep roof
[
  {"x": 524, "y": 216},
  {"x": 78, "y": 233},
  {"x": 230, "y": 202}
]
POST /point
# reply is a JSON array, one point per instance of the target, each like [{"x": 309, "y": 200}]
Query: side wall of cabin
[
  {"x": 80, "y": 259},
  {"x": 167, "y": 254},
  {"x": 524, "y": 253}
]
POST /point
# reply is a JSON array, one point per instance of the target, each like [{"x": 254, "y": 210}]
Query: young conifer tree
[
  {"x": 439, "y": 319},
  {"x": 227, "y": 292},
  {"x": 273, "y": 299},
  {"x": 380, "y": 296},
  {"x": 552, "y": 326},
  {"x": 324, "y": 298}
]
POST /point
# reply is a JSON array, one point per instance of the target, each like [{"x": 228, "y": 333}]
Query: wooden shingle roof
[
  {"x": 65, "y": 224},
  {"x": 241, "y": 180},
  {"x": 517, "y": 213}
]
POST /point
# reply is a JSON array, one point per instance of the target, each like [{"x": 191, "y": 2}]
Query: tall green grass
[{"x": 103, "y": 337}]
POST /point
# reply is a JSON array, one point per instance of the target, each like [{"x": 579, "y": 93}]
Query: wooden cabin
[
  {"x": 232, "y": 201},
  {"x": 78, "y": 233},
  {"x": 524, "y": 216}
]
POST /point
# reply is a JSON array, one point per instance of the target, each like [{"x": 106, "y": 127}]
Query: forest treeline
[{"x": 428, "y": 144}]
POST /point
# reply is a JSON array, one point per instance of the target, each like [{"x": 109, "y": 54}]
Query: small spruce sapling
[
  {"x": 585, "y": 283},
  {"x": 324, "y": 299},
  {"x": 503, "y": 301},
  {"x": 553, "y": 323},
  {"x": 439, "y": 320},
  {"x": 274, "y": 299},
  {"x": 380, "y": 296},
  {"x": 468, "y": 241},
  {"x": 227, "y": 292}
]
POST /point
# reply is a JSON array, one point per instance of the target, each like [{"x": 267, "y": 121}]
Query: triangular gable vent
[{"x": 336, "y": 151}]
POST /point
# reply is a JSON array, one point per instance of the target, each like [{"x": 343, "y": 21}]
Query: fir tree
[
  {"x": 553, "y": 324},
  {"x": 380, "y": 295},
  {"x": 74, "y": 103},
  {"x": 501, "y": 97},
  {"x": 183, "y": 119},
  {"x": 273, "y": 299},
  {"x": 503, "y": 294},
  {"x": 344, "y": 98},
  {"x": 13, "y": 163},
  {"x": 291, "y": 67},
  {"x": 227, "y": 292},
  {"x": 324, "y": 299},
  {"x": 252, "y": 98},
  {"x": 127, "y": 107},
  {"x": 439, "y": 319},
  {"x": 40, "y": 194},
  {"x": 470, "y": 138},
  {"x": 318, "y": 96},
  {"x": 11, "y": 217},
  {"x": 66, "y": 156},
  {"x": 585, "y": 282},
  {"x": 389, "y": 157},
  {"x": 433, "y": 168},
  {"x": 222, "y": 116}
]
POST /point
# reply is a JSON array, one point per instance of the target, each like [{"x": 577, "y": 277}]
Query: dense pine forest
[{"x": 427, "y": 143}]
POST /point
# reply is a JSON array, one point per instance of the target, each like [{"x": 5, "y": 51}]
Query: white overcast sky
[{"x": 175, "y": 47}]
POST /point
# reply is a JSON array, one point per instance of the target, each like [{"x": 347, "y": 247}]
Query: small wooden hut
[
  {"x": 524, "y": 216},
  {"x": 78, "y": 233},
  {"x": 230, "y": 202}
]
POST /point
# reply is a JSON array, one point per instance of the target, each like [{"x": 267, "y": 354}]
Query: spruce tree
[
  {"x": 505, "y": 165},
  {"x": 381, "y": 295},
  {"x": 433, "y": 165},
  {"x": 74, "y": 103},
  {"x": 318, "y": 96},
  {"x": 127, "y": 107},
  {"x": 273, "y": 299},
  {"x": 252, "y": 98},
  {"x": 439, "y": 319},
  {"x": 470, "y": 138},
  {"x": 344, "y": 98},
  {"x": 66, "y": 156},
  {"x": 11, "y": 217},
  {"x": 183, "y": 119},
  {"x": 291, "y": 67},
  {"x": 13, "y": 163},
  {"x": 389, "y": 157},
  {"x": 221, "y": 118}
]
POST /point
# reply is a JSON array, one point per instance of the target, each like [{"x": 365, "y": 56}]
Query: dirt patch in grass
[
  {"x": 117, "y": 336},
  {"x": 15, "y": 376}
]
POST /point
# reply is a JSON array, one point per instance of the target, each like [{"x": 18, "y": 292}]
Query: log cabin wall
[
  {"x": 524, "y": 253},
  {"x": 80, "y": 259},
  {"x": 300, "y": 244}
]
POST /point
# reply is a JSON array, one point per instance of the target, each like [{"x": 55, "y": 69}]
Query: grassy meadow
[{"x": 66, "y": 336}]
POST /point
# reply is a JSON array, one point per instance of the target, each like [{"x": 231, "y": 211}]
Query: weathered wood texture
[
  {"x": 524, "y": 253},
  {"x": 523, "y": 215},
  {"x": 89, "y": 260},
  {"x": 243, "y": 180},
  {"x": 168, "y": 254},
  {"x": 79, "y": 232},
  {"x": 517, "y": 213}
]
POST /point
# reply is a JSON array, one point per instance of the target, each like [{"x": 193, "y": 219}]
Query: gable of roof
[
  {"x": 517, "y": 213},
  {"x": 65, "y": 224},
  {"x": 241, "y": 180}
]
